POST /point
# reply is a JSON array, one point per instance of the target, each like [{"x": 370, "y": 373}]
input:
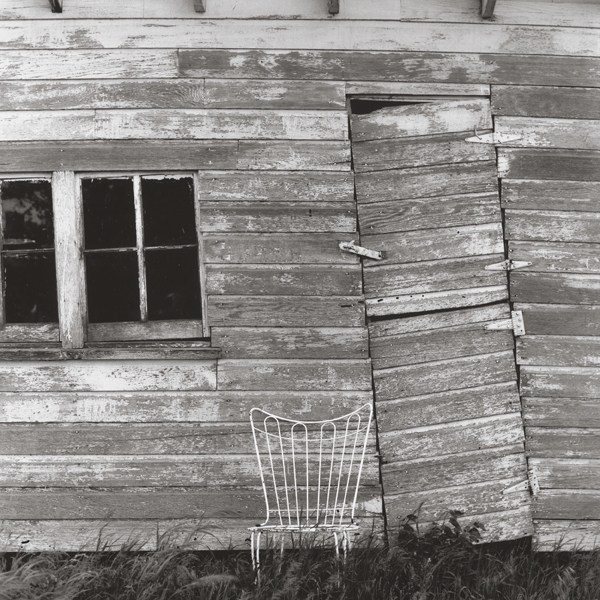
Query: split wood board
[
  {"x": 136, "y": 155},
  {"x": 559, "y": 350},
  {"x": 581, "y": 196},
  {"x": 566, "y": 319},
  {"x": 294, "y": 34},
  {"x": 549, "y": 163},
  {"x": 179, "y": 124},
  {"x": 561, "y": 412},
  {"x": 449, "y": 148},
  {"x": 172, "y": 406}
]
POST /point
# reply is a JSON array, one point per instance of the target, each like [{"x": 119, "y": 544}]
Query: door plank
[
  {"x": 551, "y": 195},
  {"x": 553, "y": 225},
  {"x": 548, "y": 319},
  {"x": 555, "y": 288},
  {"x": 559, "y": 350},
  {"x": 548, "y": 163},
  {"x": 556, "y": 256},
  {"x": 560, "y": 382}
]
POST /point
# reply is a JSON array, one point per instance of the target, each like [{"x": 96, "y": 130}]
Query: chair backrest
[{"x": 310, "y": 470}]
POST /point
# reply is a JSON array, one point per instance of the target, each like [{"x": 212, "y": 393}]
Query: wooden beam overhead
[
  {"x": 200, "y": 6},
  {"x": 487, "y": 8}
]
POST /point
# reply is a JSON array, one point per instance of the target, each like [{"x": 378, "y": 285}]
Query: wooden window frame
[{"x": 75, "y": 331}]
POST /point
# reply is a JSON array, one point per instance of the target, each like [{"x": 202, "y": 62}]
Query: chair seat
[{"x": 305, "y": 528}]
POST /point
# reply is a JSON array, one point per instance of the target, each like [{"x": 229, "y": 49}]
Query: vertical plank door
[{"x": 448, "y": 409}]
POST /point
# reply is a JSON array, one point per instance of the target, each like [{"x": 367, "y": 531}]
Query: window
[{"x": 127, "y": 265}]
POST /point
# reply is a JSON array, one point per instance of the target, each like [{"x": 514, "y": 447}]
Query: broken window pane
[
  {"x": 30, "y": 288},
  {"x": 112, "y": 286},
  {"x": 168, "y": 206},
  {"x": 27, "y": 214},
  {"x": 108, "y": 213},
  {"x": 173, "y": 284}
]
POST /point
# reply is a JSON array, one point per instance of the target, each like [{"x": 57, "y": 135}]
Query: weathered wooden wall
[{"x": 259, "y": 107}]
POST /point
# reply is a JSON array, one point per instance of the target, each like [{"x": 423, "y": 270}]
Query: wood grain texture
[
  {"x": 552, "y": 225},
  {"x": 556, "y": 256},
  {"x": 88, "y": 64},
  {"x": 274, "y": 248},
  {"x": 292, "y": 34},
  {"x": 552, "y": 164},
  {"x": 397, "y": 305},
  {"x": 474, "y": 499},
  {"x": 438, "y": 320},
  {"x": 294, "y": 375},
  {"x": 422, "y": 119},
  {"x": 445, "y": 407},
  {"x": 564, "y": 442},
  {"x": 538, "y": 101},
  {"x": 401, "y": 215},
  {"x": 108, "y": 375},
  {"x": 567, "y": 473},
  {"x": 438, "y": 344},
  {"x": 560, "y": 382},
  {"x": 573, "y": 319},
  {"x": 555, "y": 288},
  {"x": 170, "y": 406},
  {"x": 434, "y": 244},
  {"x": 278, "y": 217},
  {"x": 290, "y": 280},
  {"x": 286, "y": 311},
  {"x": 29, "y": 332},
  {"x": 432, "y": 276},
  {"x": 559, "y": 350},
  {"x": 235, "y": 186},
  {"x": 383, "y": 154},
  {"x": 580, "y": 134},
  {"x": 570, "y": 534},
  {"x": 301, "y": 342},
  {"x": 567, "y": 504},
  {"x": 415, "y": 67},
  {"x": 408, "y": 88},
  {"x": 551, "y": 195},
  {"x": 452, "y": 374},
  {"x": 561, "y": 412},
  {"x": 134, "y": 155},
  {"x": 426, "y": 182},
  {"x": 153, "y": 330},
  {"x": 466, "y": 468},
  {"x": 107, "y": 353},
  {"x": 450, "y": 438}
]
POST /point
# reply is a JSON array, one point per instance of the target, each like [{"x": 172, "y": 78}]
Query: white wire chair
[{"x": 310, "y": 473}]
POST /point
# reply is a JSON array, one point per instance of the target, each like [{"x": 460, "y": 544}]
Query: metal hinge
[
  {"x": 515, "y": 323},
  {"x": 531, "y": 483},
  {"x": 508, "y": 265},
  {"x": 494, "y": 138},
  {"x": 354, "y": 249}
]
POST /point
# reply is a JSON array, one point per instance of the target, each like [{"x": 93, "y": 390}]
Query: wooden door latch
[{"x": 354, "y": 249}]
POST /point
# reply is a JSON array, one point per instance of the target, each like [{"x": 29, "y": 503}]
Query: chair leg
[{"x": 255, "y": 552}]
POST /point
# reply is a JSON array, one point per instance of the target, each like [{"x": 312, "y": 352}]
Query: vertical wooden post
[
  {"x": 70, "y": 273},
  {"x": 200, "y": 6},
  {"x": 201, "y": 267},
  {"x": 487, "y": 8}
]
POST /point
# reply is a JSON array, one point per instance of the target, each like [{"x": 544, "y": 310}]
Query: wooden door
[{"x": 448, "y": 408}]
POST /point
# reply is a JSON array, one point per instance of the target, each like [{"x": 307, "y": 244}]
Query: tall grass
[{"x": 441, "y": 561}]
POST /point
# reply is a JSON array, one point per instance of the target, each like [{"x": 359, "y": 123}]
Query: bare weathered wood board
[
  {"x": 553, "y": 225},
  {"x": 567, "y": 473},
  {"x": 429, "y": 378},
  {"x": 108, "y": 375},
  {"x": 542, "y": 101},
  {"x": 437, "y": 344},
  {"x": 301, "y": 342},
  {"x": 248, "y": 374},
  {"x": 551, "y": 195},
  {"x": 152, "y": 352},
  {"x": 295, "y": 186},
  {"x": 296, "y": 33},
  {"x": 549, "y": 163},
  {"x": 29, "y": 332},
  {"x": 277, "y": 248},
  {"x": 426, "y": 182},
  {"x": 171, "y": 406},
  {"x": 134, "y": 155},
  {"x": 563, "y": 442},
  {"x": 560, "y": 382},
  {"x": 568, "y": 504},
  {"x": 555, "y": 288},
  {"x": 422, "y": 119},
  {"x": 466, "y": 468},
  {"x": 561, "y": 412},
  {"x": 567, "y": 319},
  {"x": 390, "y": 216},
  {"x": 428, "y": 67},
  {"x": 278, "y": 217},
  {"x": 383, "y": 154},
  {"x": 273, "y": 280},
  {"x": 450, "y": 438},
  {"x": 444, "y": 407},
  {"x": 433, "y": 244},
  {"x": 559, "y": 350},
  {"x": 568, "y": 534},
  {"x": 556, "y": 256},
  {"x": 432, "y": 276}
]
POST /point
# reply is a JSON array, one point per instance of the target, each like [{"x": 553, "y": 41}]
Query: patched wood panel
[
  {"x": 549, "y": 163},
  {"x": 551, "y": 195}
]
